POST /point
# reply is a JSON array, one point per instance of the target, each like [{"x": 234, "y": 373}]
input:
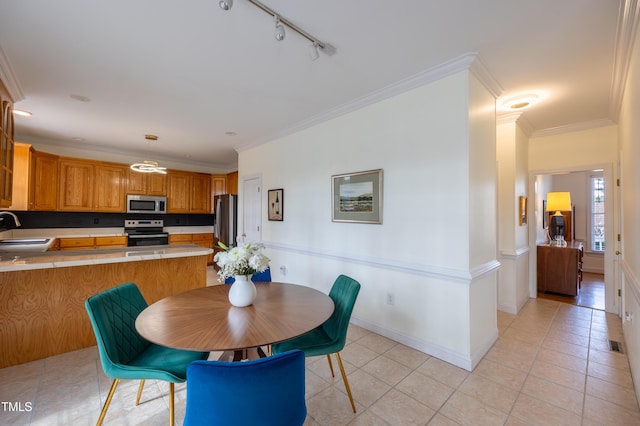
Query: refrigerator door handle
[{"x": 216, "y": 226}]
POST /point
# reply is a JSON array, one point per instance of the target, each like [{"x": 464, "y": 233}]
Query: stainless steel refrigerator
[{"x": 225, "y": 227}]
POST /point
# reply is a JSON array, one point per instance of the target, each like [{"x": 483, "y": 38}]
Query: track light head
[
  {"x": 225, "y": 4},
  {"x": 279, "y": 28},
  {"x": 313, "y": 51}
]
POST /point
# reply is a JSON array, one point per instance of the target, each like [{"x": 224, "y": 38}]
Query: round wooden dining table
[{"x": 204, "y": 320}]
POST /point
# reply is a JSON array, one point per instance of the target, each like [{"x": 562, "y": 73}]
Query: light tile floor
[{"x": 550, "y": 366}]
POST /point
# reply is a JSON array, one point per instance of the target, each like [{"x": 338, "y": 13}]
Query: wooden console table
[{"x": 560, "y": 268}]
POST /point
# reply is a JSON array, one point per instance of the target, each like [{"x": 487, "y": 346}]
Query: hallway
[{"x": 591, "y": 293}]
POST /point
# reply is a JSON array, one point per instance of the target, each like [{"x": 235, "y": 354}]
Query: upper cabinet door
[
  {"x": 43, "y": 186},
  {"x": 146, "y": 183},
  {"x": 200, "y": 193},
  {"x": 109, "y": 195},
  {"x": 6, "y": 148},
  {"x": 178, "y": 192},
  {"x": 75, "y": 185},
  {"x": 156, "y": 184}
]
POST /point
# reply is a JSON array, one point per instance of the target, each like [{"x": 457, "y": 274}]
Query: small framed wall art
[
  {"x": 357, "y": 197},
  {"x": 523, "y": 210},
  {"x": 276, "y": 204}
]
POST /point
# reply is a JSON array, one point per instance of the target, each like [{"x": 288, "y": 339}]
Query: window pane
[{"x": 597, "y": 214}]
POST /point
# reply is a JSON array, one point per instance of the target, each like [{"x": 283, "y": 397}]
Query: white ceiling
[{"x": 189, "y": 72}]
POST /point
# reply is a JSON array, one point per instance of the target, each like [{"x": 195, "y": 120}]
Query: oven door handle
[{"x": 148, "y": 236}]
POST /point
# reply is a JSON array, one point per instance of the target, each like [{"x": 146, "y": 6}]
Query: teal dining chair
[
  {"x": 124, "y": 354},
  {"x": 330, "y": 337},
  {"x": 266, "y": 391}
]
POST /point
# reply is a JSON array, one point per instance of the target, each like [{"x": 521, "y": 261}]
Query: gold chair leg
[
  {"x": 139, "y": 392},
  {"x": 346, "y": 382},
  {"x": 171, "y": 413},
  {"x": 108, "y": 401},
  {"x": 330, "y": 365}
]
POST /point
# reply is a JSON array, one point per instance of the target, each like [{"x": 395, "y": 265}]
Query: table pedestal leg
[{"x": 242, "y": 354}]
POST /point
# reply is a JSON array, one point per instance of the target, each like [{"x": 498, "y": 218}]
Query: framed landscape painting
[{"x": 357, "y": 197}]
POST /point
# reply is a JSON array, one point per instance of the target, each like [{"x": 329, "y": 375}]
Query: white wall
[
  {"x": 513, "y": 277},
  {"x": 629, "y": 126},
  {"x": 434, "y": 251}
]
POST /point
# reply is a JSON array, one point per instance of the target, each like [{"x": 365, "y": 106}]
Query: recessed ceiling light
[
  {"x": 21, "y": 112},
  {"x": 230, "y": 133},
  {"x": 80, "y": 98},
  {"x": 78, "y": 139},
  {"x": 519, "y": 102}
]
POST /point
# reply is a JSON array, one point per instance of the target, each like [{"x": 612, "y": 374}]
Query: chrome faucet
[{"x": 15, "y": 218}]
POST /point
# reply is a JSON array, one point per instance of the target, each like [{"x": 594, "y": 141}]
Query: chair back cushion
[
  {"x": 113, "y": 314},
  {"x": 343, "y": 293},
  {"x": 260, "y": 277},
  {"x": 268, "y": 391}
]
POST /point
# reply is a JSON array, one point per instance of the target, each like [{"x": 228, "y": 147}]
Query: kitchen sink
[{"x": 26, "y": 245}]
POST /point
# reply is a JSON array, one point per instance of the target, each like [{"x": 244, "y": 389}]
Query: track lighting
[
  {"x": 225, "y": 4},
  {"x": 279, "y": 28},
  {"x": 280, "y": 22}
]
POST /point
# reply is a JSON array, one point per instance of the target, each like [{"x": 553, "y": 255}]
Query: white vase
[{"x": 242, "y": 292}]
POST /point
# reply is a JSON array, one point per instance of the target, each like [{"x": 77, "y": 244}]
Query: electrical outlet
[
  {"x": 391, "y": 299},
  {"x": 283, "y": 269}
]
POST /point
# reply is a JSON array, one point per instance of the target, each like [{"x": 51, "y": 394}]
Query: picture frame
[
  {"x": 276, "y": 204},
  {"x": 523, "y": 210},
  {"x": 357, "y": 197}
]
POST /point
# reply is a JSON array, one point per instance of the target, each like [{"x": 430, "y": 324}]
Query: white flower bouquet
[{"x": 246, "y": 259}]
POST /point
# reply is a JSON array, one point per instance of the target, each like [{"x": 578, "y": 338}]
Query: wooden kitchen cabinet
[
  {"x": 43, "y": 182},
  {"x": 232, "y": 183},
  {"x": 559, "y": 269},
  {"x": 111, "y": 242},
  {"x": 204, "y": 240},
  {"x": 85, "y": 185},
  {"x": 200, "y": 193},
  {"x": 78, "y": 243},
  {"x": 90, "y": 243},
  {"x": 178, "y": 192},
  {"x": 6, "y": 147},
  {"x": 76, "y": 183},
  {"x": 188, "y": 192},
  {"x": 35, "y": 180},
  {"x": 109, "y": 190},
  {"x": 146, "y": 183}
]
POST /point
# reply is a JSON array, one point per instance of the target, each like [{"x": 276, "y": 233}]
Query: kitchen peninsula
[{"x": 42, "y": 295}]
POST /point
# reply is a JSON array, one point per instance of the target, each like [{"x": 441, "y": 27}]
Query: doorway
[{"x": 598, "y": 288}]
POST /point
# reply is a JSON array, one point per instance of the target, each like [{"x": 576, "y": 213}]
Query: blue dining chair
[
  {"x": 331, "y": 336},
  {"x": 266, "y": 391},
  {"x": 264, "y": 276},
  {"x": 124, "y": 354}
]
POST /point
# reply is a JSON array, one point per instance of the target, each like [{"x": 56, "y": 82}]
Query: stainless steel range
[{"x": 145, "y": 232}]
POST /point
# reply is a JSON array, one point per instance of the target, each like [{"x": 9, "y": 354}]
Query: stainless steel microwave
[{"x": 146, "y": 204}]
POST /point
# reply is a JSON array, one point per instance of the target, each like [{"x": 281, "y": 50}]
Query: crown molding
[
  {"x": 468, "y": 61},
  {"x": 576, "y": 127},
  {"x": 8, "y": 78},
  {"x": 628, "y": 21}
]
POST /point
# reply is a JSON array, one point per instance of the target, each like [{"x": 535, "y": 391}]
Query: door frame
[
  {"x": 612, "y": 209},
  {"x": 244, "y": 207}
]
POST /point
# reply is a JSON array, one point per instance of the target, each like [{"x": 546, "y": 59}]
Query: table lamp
[{"x": 557, "y": 202}]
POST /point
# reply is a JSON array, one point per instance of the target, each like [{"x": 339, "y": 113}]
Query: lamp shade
[{"x": 558, "y": 201}]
